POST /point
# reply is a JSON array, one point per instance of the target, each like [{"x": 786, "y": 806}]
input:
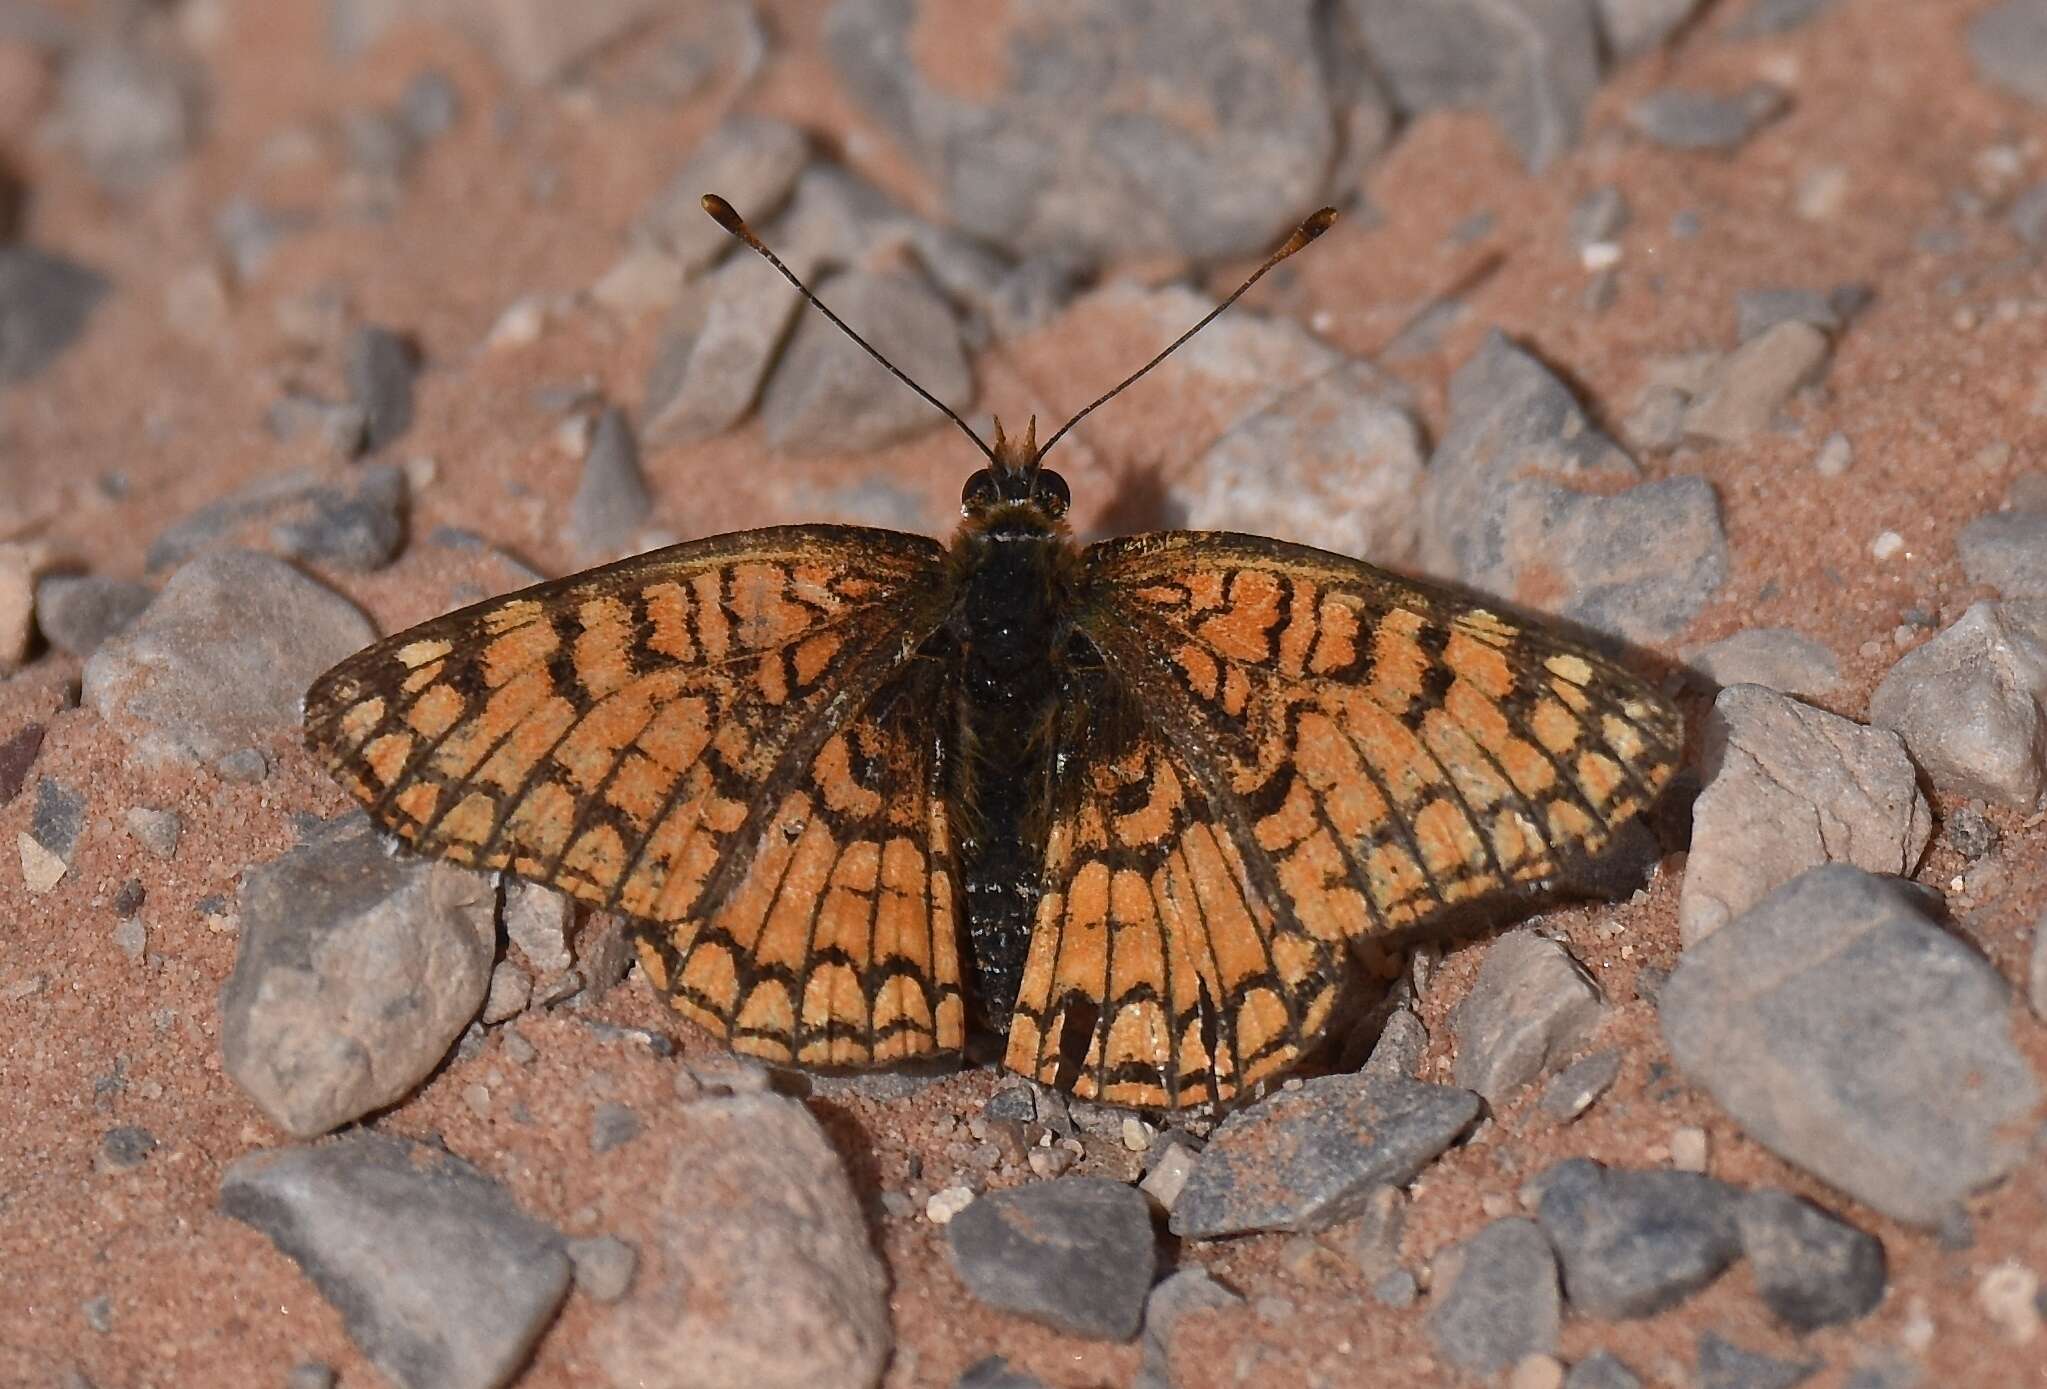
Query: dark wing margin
[
  {"x": 642, "y": 736},
  {"x": 1364, "y": 750}
]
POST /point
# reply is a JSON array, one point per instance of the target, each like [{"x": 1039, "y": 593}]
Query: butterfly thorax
[{"x": 1015, "y": 571}]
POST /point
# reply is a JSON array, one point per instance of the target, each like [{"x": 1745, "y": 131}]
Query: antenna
[
  {"x": 1314, "y": 226},
  {"x": 723, "y": 214}
]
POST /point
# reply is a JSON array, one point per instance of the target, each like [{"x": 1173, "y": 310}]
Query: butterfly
[{"x": 1128, "y": 805}]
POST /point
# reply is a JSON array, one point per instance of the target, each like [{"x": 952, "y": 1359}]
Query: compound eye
[
  {"x": 980, "y": 491},
  {"x": 1052, "y": 493}
]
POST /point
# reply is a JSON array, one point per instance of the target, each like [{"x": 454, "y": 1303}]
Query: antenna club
[
  {"x": 1316, "y": 224},
  {"x": 726, "y": 216}
]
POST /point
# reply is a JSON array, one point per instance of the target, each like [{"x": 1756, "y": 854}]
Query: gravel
[
  {"x": 1530, "y": 1006},
  {"x": 1756, "y": 311},
  {"x": 79, "y": 612},
  {"x": 1602, "y": 1370},
  {"x": 440, "y": 1280},
  {"x": 1188, "y": 1291},
  {"x": 1855, "y": 1039},
  {"x": 1968, "y": 704},
  {"x": 603, "y": 1266},
  {"x": 45, "y": 301},
  {"x": 1746, "y": 389},
  {"x": 2007, "y": 551},
  {"x": 1688, "y": 120},
  {"x": 1577, "y": 1087},
  {"x": 1076, "y": 1254},
  {"x": 354, "y": 974},
  {"x": 1495, "y": 1298},
  {"x": 752, "y": 162},
  {"x": 1813, "y": 1269},
  {"x": 1633, "y": 27},
  {"x": 612, "y": 504},
  {"x": 1306, "y": 1157},
  {"x": 1778, "y": 657},
  {"x": 2007, "y": 43},
  {"x": 1790, "y": 787},
  {"x": 355, "y": 521},
  {"x": 379, "y": 367},
  {"x": 1633, "y": 1243},
  {"x": 129, "y": 114},
  {"x": 1724, "y": 1365}
]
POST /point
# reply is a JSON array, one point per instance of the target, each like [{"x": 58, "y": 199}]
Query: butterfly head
[{"x": 1015, "y": 481}]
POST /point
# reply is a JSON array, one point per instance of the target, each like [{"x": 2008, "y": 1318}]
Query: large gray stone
[
  {"x": 78, "y": 612},
  {"x": 1532, "y": 65},
  {"x": 1202, "y": 128},
  {"x": 1336, "y": 463},
  {"x": 1724, "y": 1365},
  {"x": 1496, "y": 1298},
  {"x": 1851, "y": 1036},
  {"x": 354, "y": 974},
  {"x": 759, "y": 1272},
  {"x": 750, "y": 161},
  {"x": 129, "y": 113},
  {"x": 2008, "y": 45},
  {"x": 1077, "y": 1254},
  {"x": 1969, "y": 704},
  {"x": 1530, "y": 1006},
  {"x": 221, "y": 659},
  {"x": 351, "y": 521},
  {"x": 612, "y": 503},
  {"x": 1177, "y": 1297},
  {"x": 1775, "y": 656},
  {"x": 2007, "y": 550},
  {"x": 1680, "y": 119},
  {"x": 45, "y": 301},
  {"x": 1744, "y": 390},
  {"x": 1306, "y": 1157},
  {"x": 441, "y": 1281},
  {"x": 1812, "y": 1269},
  {"x": 1635, "y": 1242},
  {"x": 1790, "y": 787}
]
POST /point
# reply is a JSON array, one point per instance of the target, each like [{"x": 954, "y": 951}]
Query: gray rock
[
  {"x": 130, "y": 114},
  {"x": 126, "y": 1146},
  {"x": 1836, "y": 1024},
  {"x": 357, "y": 523},
  {"x": 17, "y": 756},
  {"x": 536, "y": 920},
  {"x": 1790, "y": 787},
  {"x": 1306, "y": 1157},
  {"x": 757, "y": 1268},
  {"x": 509, "y": 993},
  {"x": 1175, "y": 1298},
  {"x": 993, "y": 1372},
  {"x": 59, "y": 816},
  {"x": 828, "y": 395},
  {"x": 354, "y": 973},
  {"x": 1601, "y": 1370},
  {"x": 441, "y": 1281},
  {"x": 613, "y": 1126},
  {"x": 221, "y": 658},
  {"x": 2008, "y": 45},
  {"x": 750, "y": 161},
  {"x": 1496, "y": 1298},
  {"x": 1532, "y": 65},
  {"x": 2028, "y": 216},
  {"x": 1744, "y": 391},
  {"x": 604, "y": 1266},
  {"x": 1969, "y": 704},
  {"x": 1530, "y": 1006},
  {"x": 379, "y": 144},
  {"x": 1350, "y": 484},
  {"x": 45, "y": 301},
  {"x": 541, "y": 41},
  {"x": 612, "y": 504},
  {"x": 1636, "y": 26},
  {"x": 245, "y": 765},
  {"x": 1774, "y": 656},
  {"x": 1202, "y": 129},
  {"x": 1756, "y": 311},
  {"x": 2007, "y": 550},
  {"x": 1399, "y": 1049},
  {"x": 1574, "y": 1089},
  {"x": 379, "y": 367},
  {"x": 156, "y": 830},
  {"x": 1812, "y": 1269},
  {"x": 1076, "y": 1254},
  {"x": 249, "y": 234},
  {"x": 341, "y": 426},
  {"x": 1689, "y": 120},
  {"x": 1396, "y": 1288},
  {"x": 1635, "y": 1242},
  {"x": 1969, "y": 833},
  {"x": 78, "y": 612},
  {"x": 430, "y": 105},
  {"x": 1724, "y": 1365},
  {"x": 1776, "y": 17}
]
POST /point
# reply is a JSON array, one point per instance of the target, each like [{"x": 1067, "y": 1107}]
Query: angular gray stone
[
  {"x": 130, "y": 114},
  {"x": 2007, "y": 550},
  {"x": 1854, "y": 1038},
  {"x": 536, "y": 922},
  {"x": 2008, "y": 45},
  {"x": 1601, "y": 1370},
  {"x": 1201, "y": 128},
  {"x": 441, "y": 1281},
  {"x": 45, "y": 301},
  {"x": 379, "y": 367},
  {"x": 1176, "y": 1297},
  {"x": 1636, "y": 26},
  {"x": 1756, "y": 311},
  {"x": 1635, "y": 1242},
  {"x": 758, "y": 1269},
  {"x": 1076, "y": 1254},
  {"x": 1969, "y": 704},
  {"x": 604, "y": 1266},
  {"x": 1351, "y": 482},
  {"x": 1398, "y": 1051},
  {"x": 1790, "y": 787},
  {"x": 156, "y": 830},
  {"x": 1724, "y": 1365},
  {"x": 1812, "y": 1269},
  {"x": 1574, "y": 1089},
  {"x": 750, "y": 161},
  {"x": 353, "y": 522},
  {"x": 58, "y": 817},
  {"x": 1532, "y": 65},
  {"x": 430, "y": 104},
  {"x": 78, "y": 612},
  {"x": 1774, "y": 656},
  {"x": 1688, "y": 120},
  {"x": 1744, "y": 390},
  {"x": 1530, "y": 1006},
  {"x": 612, "y": 504},
  {"x": 354, "y": 974},
  {"x": 220, "y": 660},
  {"x": 827, "y": 395},
  {"x": 1308, "y": 1156},
  {"x": 1495, "y": 1298}
]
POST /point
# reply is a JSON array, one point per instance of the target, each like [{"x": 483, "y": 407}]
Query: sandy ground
[{"x": 1943, "y": 365}]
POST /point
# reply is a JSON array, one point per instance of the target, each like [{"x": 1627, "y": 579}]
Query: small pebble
[
  {"x": 1688, "y": 1149},
  {"x": 944, "y": 1205},
  {"x": 311, "y": 1374},
  {"x": 1537, "y": 1371},
  {"x": 1887, "y": 544},
  {"x": 1136, "y": 1134},
  {"x": 603, "y": 1266},
  {"x": 1836, "y": 454},
  {"x": 1168, "y": 1175},
  {"x": 613, "y": 1126},
  {"x": 1396, "y": 1289},
  {"x": 99, "y": 1313},
  {"x": 2010, "y": 1296},
  {"x": 131, "y": 937}
]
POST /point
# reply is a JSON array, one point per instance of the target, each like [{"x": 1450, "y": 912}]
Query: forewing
[{"x": 638, "y": 734}]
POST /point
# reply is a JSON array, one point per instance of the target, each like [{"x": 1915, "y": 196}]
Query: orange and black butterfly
[{"x": 1129, "y": 803}]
